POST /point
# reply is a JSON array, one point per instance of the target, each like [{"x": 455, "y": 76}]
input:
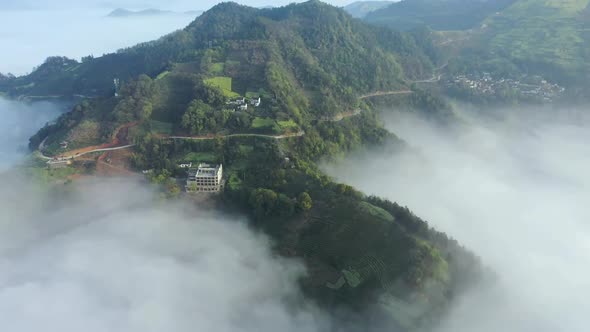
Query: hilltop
[{"x": 268, "y": 93}]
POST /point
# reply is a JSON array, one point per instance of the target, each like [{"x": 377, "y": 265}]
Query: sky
[
  {"x": 80, "y": 28},
  {"x": 171, "y": 4},
  {"x": 513, "y": 186}
]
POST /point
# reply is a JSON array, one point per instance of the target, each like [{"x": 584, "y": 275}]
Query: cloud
[
  {"x": 106, "y": 256},
  {"x": 512, "y": 185},
  {"x": 19, "y": 122}
]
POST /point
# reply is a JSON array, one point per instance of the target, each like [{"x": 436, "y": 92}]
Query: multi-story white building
[{"x": 205, "y": 178}]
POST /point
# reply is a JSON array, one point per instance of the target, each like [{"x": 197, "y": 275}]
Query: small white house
[
  {"x": 255, "y": 102},
  {"x": 189, "y": 165},
  {"x": 243, "y": 107}
]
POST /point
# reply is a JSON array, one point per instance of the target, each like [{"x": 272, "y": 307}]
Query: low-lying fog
[
  {"x": 28, "y": 37},
  {"x": 18, "y": 122},
  {"x": 107, "y": 256},
  {"x": 514, "y": 189}
]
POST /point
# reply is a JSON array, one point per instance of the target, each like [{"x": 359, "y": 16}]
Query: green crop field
[
  {"x": 217, "y": 68},
  {"x": 260, "y": 123},
  {"x": 200, "y": 157},
  {"x": 224, "y": 83}
]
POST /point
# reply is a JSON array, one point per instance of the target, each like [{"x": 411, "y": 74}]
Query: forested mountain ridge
[
  {"x": 268, "y": 93},
  {"x": 547, "y": 37},
  {"x": 360, "y": 9},
  {"x": 437, "y": 14},
  {"x": 509, "y": 39},
  {"x": 367, "y": 59}
]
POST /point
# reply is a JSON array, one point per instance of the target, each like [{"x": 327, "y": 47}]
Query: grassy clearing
[
  {"x": 289, "y": 125},
  {"x": 224, "y": 83},
  {"x": 161, "y": 127},
  {"x": 45, "y": 175},
  {"x": 197, "y": 157},
  {"x": 260, "y": 123},
  {"x": 217, "y": 68}
]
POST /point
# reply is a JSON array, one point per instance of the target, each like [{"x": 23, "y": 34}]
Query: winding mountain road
[
  {"x": 205, "y": 138},
  {"x": 72, "y": 156},
  {"x": 386, "y": 93}
]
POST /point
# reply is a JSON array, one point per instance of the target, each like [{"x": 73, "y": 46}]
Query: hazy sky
[
  {"x": 79, "y": 28},
  {"x": 171, "y": 4}
]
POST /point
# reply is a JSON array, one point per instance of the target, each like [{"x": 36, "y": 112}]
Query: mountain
[
  {"x": 528, "y": 39},
  {"x": 437, "y": 14},
  {"x": 306, "y": 71},
  {"x": 360, "y": 9}
]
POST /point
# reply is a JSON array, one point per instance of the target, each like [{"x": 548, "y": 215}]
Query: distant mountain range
[
  {"x": 360, "y": 9},
  {"x": 504, "y": 37},
  {"x": 438, "y": 14},
  {"x": 121, "y": 12}
]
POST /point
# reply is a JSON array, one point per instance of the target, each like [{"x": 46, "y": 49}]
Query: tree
[
  {"x": 304, "y": 202},
  {"x": 195, "y": 118},
  {"x": 263, "y": 201},
  {"x": 285, "y": 206}
]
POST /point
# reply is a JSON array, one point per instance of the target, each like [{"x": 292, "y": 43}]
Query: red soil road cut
[
  {"x": 114, "y": 163},
  {"x": 121, "y": 139}
]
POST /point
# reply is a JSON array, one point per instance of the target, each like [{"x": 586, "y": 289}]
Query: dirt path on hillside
[{"x": 119, "y": 141}]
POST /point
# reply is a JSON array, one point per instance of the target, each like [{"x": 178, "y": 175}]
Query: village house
[
  {"x": 186, "y": 165},
  {"x": 58, "y": 163},
  {"x": 205, "y": 178},
  {"x": 242, "y": 103},
  {"x": 255, "y": 102}
]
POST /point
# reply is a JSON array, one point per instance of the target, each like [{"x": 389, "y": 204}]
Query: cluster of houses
[
  {"x": 486, "y": 84},
  {"x": 242, "y": 103}
]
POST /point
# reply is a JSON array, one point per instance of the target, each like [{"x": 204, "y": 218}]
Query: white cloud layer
[
  {"x": 18, "y": 122},
  {"x": 107, "y": 257},
  {"x": 515, "y": 189}
]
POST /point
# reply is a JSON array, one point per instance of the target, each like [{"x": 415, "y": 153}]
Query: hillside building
[
  {"x": 205, "y": 178},
  {"x": 255, "y": 102},
  {"x": 58, "y": 163}
]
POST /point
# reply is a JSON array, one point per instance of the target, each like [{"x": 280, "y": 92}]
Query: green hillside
[
  {"x": 549, "y": 37},
  {"x": 360, "y": 9},
  {"x": 309, "y": 64},
  {"x": 508, "y": 38},
  {"x": 436, "y": 14}
]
